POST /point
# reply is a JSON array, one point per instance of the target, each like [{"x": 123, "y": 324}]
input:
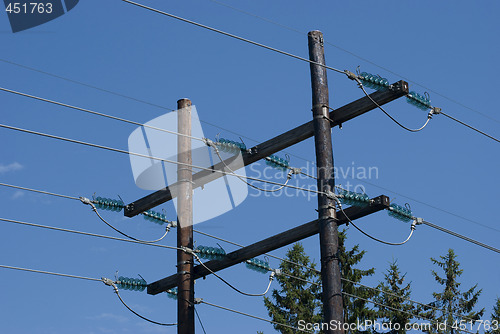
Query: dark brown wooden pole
[
  {"x": 328, "y": 229},
  {"x": 185, "y": 281}
]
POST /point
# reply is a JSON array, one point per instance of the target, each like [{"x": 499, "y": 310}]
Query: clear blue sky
[{"x": 450, "y": 47}]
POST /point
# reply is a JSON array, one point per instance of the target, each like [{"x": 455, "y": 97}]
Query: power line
[
  {"x": 461, "y": 237},
  {"x": 106, "y": 281},
  {"x": 470, "y": 127},
  {"x": 39, "y": 191},
  {"x": 74, "y": 141},
  {"x": 50, "y": 273},
  {"x": 252, "y": 139},
  {"x": 429, "y": 205},
  {"x": 109, "y": 282},
  {"x": 359, "y": 57},
  {"x": 232, "y": 36},
  {"x": 96, "y": 113},
  {"x": 342, "y": 278},
  {"x": 253, "y": 316},
  {"x": 84, "y": 84},
  {"x": 395, "y": 309},
  {"x": 434, "y": 111},
  {"x": 429, "y": 116},
  {"x": 114, "y": 93},
  {"x": 271, "y": 278},
  {"x": 85, "y": 233},
  {"x": 88, "y": 202},
  {"x": 384, "y": 292}
]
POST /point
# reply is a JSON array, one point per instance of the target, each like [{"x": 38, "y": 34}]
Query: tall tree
[
  {"x": 356, "y": 309},
  {"x": 454, "y": 303},
  {"x": 399, "y": 309},
  {"x": 296, "y": 299},
  {"x": 495, "y": 319}
]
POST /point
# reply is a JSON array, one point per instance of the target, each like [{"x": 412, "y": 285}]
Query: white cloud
[
  {"x": 12, "y": 167},
  {"x": 18, "y": 194}
]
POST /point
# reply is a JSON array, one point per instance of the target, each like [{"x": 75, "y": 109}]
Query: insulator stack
[
  {"x": 258, "y": 265},
  {"x": 172, "y": 293},
  {"x": 210, "y": 253},
  {"x": 400, "y": 212},
  {"x": 419, "y": 101},
  {"x": 374, "y": 81},
  {"x": 108, "y": 204},
  {"x": 230, "y": 146},
  {"x": 277, "y": 162},
  {"x": 133, "y": 284},
  {"x": 353, "y": 198},
  {"x": 155, "y": 217}
]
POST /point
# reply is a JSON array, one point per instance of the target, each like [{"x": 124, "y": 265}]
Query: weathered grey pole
[
  {"x": 328, "y": 230},
  {"x": 185, "y": 282}
]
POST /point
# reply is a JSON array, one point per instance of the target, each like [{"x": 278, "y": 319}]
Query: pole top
[
  {"x": 184, "y": 101},
  {"x": 315, "y": 32}
]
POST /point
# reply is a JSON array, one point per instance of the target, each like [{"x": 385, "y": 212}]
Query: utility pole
[
  {"x": 185, "y": 281},
  {"x": 328, "y": 219},
  {"x": 328, "y": 229}
]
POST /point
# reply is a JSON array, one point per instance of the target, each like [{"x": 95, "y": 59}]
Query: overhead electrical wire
[
  {"x": 470, "y": 127},
  {"x": 241, "y": 135},
  {"x": 253, "y": 316},
  {"x": 50, "y": 273},
  {"x": 211, "y": 144},
  {"x": 429, "y": 116},
  {"x": 233, "y": 36},
  {"x": 111, "y": 283},
  {"x": 442, "y": 229},
  {"x": 412, "y": 228},
  {"x": 96, "y": 113},
  {"x": 357, "y": 56},
  {"x": 105, "y": 280},
  {"x": 396, "y": 309},
  {"x": 424, "y": 222},
  {"x": 88, "y": 202},
  {"x": 384, "y": 292},
  {"x": 85, "y": 233},
  {"x": 39, "y": 191},
  {"x": 84, "y": 84},
  {"x": 74, "y": 141},
  {"x": 271, "y": 278},
  {"x": 343, "y": 279}
]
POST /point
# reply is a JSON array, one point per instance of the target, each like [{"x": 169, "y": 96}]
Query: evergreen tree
[
  {"x": 395, "y": 299},
  {"x": 296, "y": 299},
  {"x": 495, "y": 319},
  {"x": 355, "y": 309},
  {"x": 452, "y": 301}
]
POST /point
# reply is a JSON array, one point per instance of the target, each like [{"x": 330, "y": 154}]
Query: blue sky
[{"x": 447, "y": 46}]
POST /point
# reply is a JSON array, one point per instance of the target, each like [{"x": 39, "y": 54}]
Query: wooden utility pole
[
  {"x": 328, "y": 219},
  {"x": 185, "y": 281},
  {"x": 328, "y": 229}
]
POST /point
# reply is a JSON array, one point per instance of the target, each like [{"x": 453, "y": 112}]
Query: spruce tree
[
  {"x": 453, "y": 302},
  {"x": 296, "y": 299},
  {"x": 399, "y": 311},
  {"x": 495, "y": 319},
  {"x": 355, "y": 309}
]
